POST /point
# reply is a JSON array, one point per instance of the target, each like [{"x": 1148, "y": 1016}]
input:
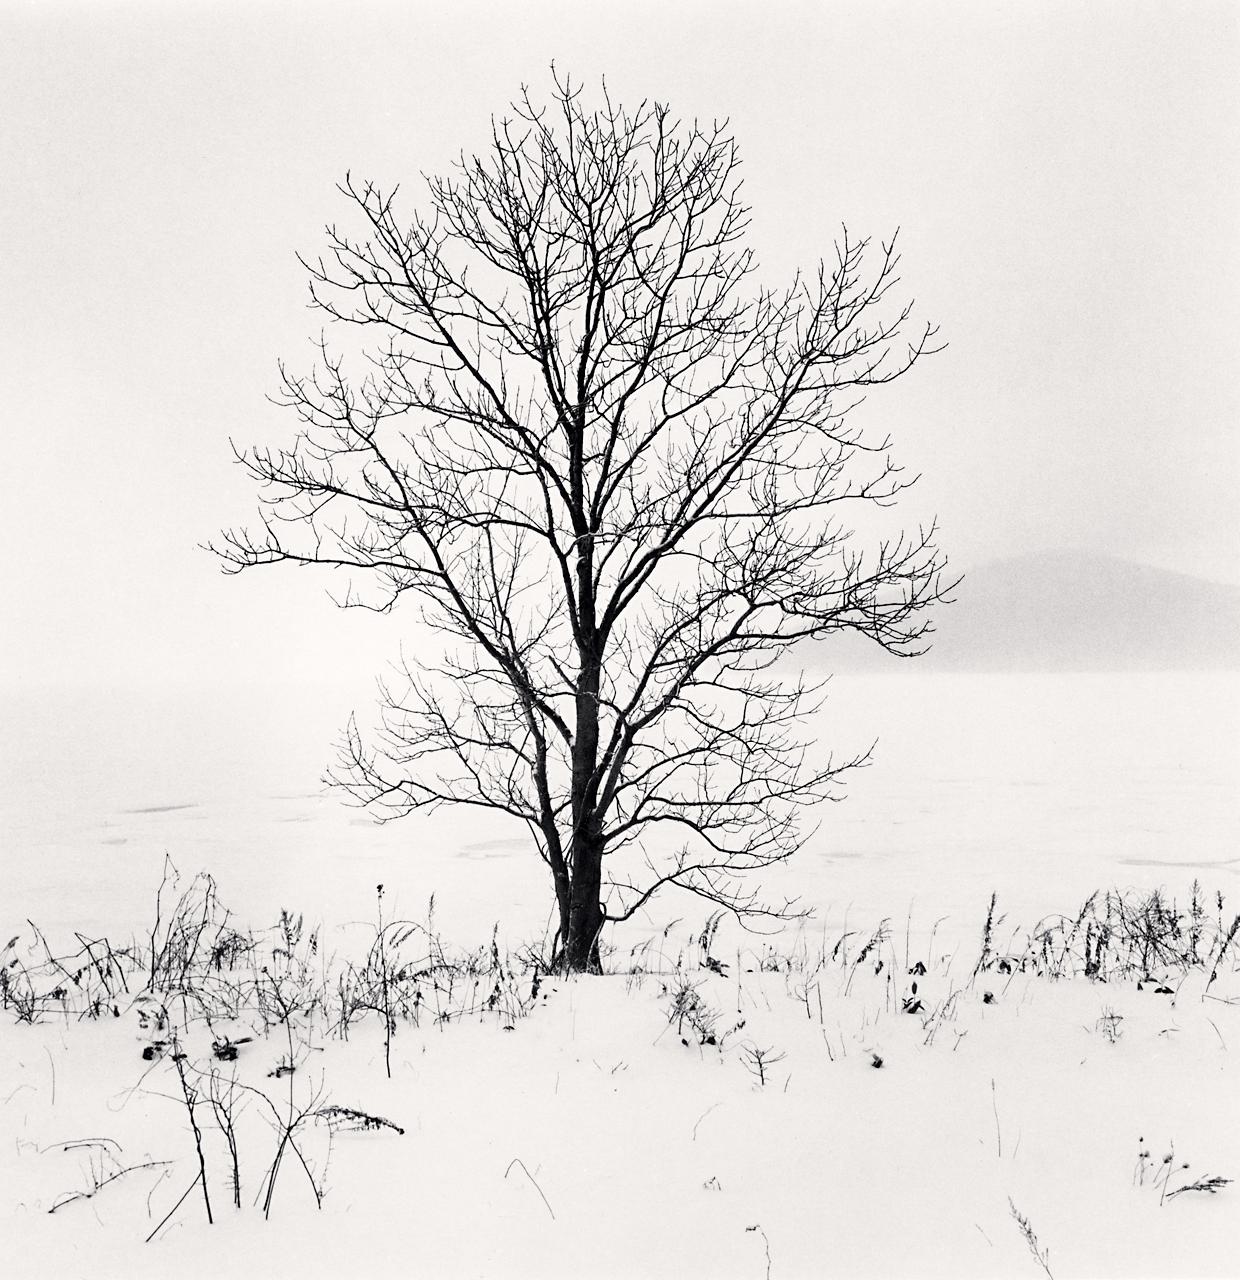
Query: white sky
[{"x": 1065, "y": 176}]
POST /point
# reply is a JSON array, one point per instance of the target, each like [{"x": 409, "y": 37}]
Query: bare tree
[{"x": 614, "y": 473}]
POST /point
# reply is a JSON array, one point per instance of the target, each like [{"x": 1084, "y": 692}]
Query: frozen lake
[{"x": 1040, "y": 787}]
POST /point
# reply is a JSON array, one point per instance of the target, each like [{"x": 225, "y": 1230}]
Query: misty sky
[{"x": 1065, "y": 177}]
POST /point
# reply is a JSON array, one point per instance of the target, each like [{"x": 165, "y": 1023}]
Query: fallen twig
[
  {"x": 99, "y": 1186},
  {"x": 530, "y": 1176}
]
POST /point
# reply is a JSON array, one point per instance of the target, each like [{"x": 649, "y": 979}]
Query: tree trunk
[
  {"x": 580, "y": 952},
  {"x": 564, "y": 906},
  {"x": 585, "y": 917}
]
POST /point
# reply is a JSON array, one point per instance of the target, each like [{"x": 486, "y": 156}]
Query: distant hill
[{"x": 1073, "y": 611}]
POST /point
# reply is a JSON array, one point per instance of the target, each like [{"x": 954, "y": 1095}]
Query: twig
[
  {"x": 530, "y": 1176},
  {"x": 766, "y": 1244},
  {"x": 99, "y": 1186},
  {"x": 175, "y": 1207},
  {"x": 74, "y": 1143},
  {"x": 994, "y": 1102},
  {"x": 286, "y": 1127},
  {"x": 191, "y": 1101},
  {"x": 1169, "y": 1165},
  {"x": 150, "y": 1195},
  {"x": 314, "y": 1186},
  {"x": 703, "y": 1117},
  {"x": 223, "y": 1108}
]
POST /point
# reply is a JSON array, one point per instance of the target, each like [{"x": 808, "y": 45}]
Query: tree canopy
[{"x": 619, "y": 477}]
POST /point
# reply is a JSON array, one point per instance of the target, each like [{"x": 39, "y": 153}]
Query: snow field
[{"x": 617, "y": 1126}]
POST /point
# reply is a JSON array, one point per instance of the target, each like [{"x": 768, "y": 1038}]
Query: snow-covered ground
[
  {"x": 623, "y": 1126},
  {"x": 590, "y": 1127}
]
